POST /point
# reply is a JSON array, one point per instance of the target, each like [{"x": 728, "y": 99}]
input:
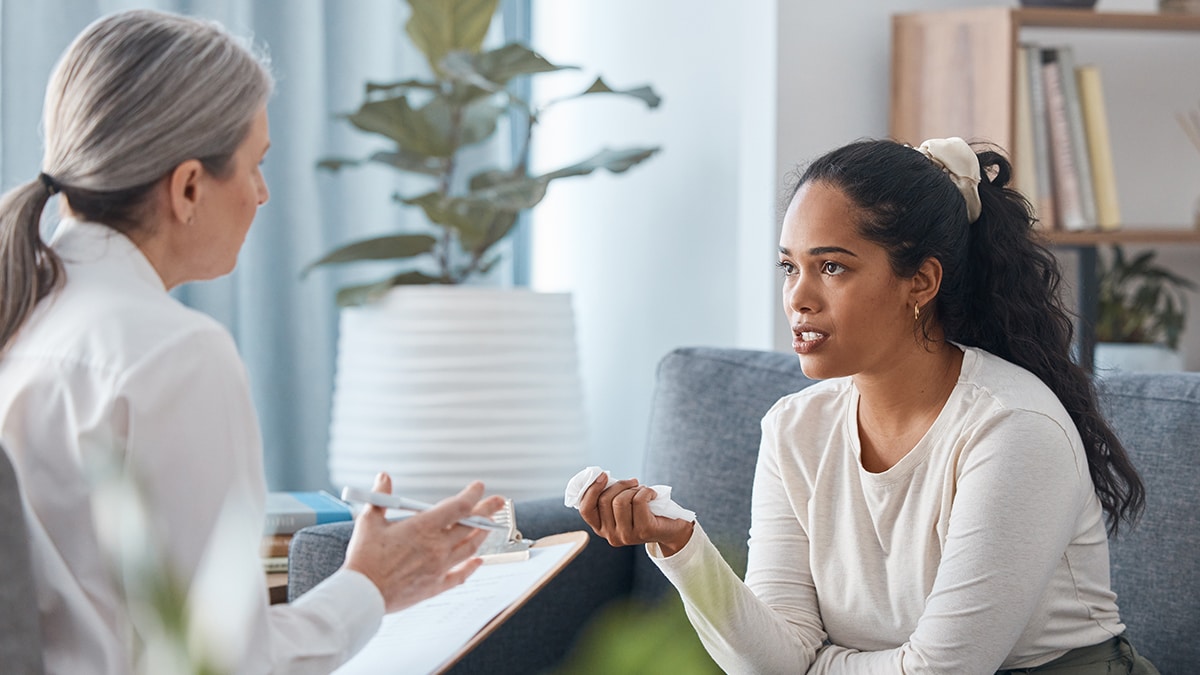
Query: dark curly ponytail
[{"x": 1000, "y": 286}]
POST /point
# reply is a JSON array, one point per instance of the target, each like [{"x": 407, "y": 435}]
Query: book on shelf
[
  {"x": 1038, "y": 136},
  {"x": 289, "y": 512},
  {"x": 1079, "y": 141},
  {"x": 1068, "y": 196},
  {"x": 275, "y": 545},
  {"x": 275, "y": 564},
  {"x": 1099, "y": 144},
  {"x": 1024, "y": 167}
]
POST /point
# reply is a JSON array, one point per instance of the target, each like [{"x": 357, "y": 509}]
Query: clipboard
[
  {"x": 577, "y": 539},
  {"x": 391, "y": 651}
]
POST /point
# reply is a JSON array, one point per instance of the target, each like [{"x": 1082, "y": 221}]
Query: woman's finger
[
  {"x": 460, "y": 573},
  {"x": 605, "y": 504},
  {"x": 623, "y": 515},
  {"x": 488, "y": 507}
]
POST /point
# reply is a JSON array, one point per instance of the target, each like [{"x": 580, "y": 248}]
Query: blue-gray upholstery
[
  {"x": 703, "y": 440},
  {"x": 20, "y": 631},
  {"x": 1156, "y": 565}
]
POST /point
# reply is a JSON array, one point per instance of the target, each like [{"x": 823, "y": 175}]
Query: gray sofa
[{"x": 703, "y": 440}]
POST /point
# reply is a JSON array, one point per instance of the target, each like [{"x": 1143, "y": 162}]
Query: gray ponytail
[
  {"x": 29, "y": 270},
  {"x": 135, "y": 94}
]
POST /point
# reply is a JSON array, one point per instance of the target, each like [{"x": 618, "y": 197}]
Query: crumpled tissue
[{"x": 661, "y": 505}]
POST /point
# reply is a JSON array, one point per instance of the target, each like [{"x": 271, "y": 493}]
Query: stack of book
[
  {"x": 1063, "y": 153},
  {"x": 288, "y": 513}
]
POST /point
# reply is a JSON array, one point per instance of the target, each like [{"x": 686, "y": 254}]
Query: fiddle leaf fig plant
[
  {"x": 1140, "y": 301},
  {"x": 428, "y": 122}
]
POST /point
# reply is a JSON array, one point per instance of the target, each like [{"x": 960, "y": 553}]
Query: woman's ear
[
  {"x": 927, "y": 281},
  {"x": 184, "y": 185}
]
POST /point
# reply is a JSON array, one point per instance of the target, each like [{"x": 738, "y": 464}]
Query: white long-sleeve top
[
  {"x": 984, "y": 547},
  {"x": 113, "y": 366}
]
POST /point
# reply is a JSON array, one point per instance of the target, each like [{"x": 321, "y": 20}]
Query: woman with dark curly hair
[{"x": 939, "y": 504}]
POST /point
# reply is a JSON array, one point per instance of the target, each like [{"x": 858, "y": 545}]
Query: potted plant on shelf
[
  {"x": 439, "y": 381},
  {"x": 1141, "y": 316}
]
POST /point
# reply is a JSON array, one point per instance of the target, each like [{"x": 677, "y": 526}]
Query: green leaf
[
  {"x": 361, "y": 295},
  {"x": 492, "y": 70},
  {"x": 336, "y": 163},
  {"x": 401, "y": 87},
  {"x": 485, "y": 179},
  {"x": 409, "y": 161},
  {"x": 380, "y": 248},
  {"x": 438, "y": 27},
  {"x": 615, "y": 161},
  {"x": 438, "y": 208},
  {"x": 413, "y": 131},
  {"x": 479, "y": 121},
  {"x": 1140, "y": 301},
  {"x": 480, "y": 239},
  {"x": 512, "y": 195},
  {"x": 479, "y": 222},
  {"x": 643, "y": 93}
]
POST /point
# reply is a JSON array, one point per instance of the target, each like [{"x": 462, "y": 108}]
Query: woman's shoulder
[
  {"x": 820, "y": 401},
  {"x": 999, "y": 393},
  {"x": 1005, "y": 384},
  {"x": 104, "y": 329}
]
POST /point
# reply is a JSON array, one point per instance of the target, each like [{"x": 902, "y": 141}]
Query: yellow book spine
[{"x": 1095, "y": 123}]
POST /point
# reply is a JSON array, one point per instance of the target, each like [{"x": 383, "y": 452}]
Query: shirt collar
[{"x": 79, "y": 242}]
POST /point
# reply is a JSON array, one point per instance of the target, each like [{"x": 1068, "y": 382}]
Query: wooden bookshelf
[
  {"x": 1075, "y": 18},
  {"x": 1123, "y": 236},
  {"x": 965, "y": 61},
  {"x": 954, "y": 73}
]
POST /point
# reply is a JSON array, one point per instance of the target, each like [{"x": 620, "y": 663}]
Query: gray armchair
[{"x": 703, "y": 440}]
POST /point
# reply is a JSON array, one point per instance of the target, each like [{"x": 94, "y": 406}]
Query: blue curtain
[{"x": 322, "y": 53}]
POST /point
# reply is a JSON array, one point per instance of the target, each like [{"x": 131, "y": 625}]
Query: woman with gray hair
[{"x": 155, "y": 126}]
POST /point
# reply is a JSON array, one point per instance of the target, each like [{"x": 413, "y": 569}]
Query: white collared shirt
[{"x": 113, "y": 366}]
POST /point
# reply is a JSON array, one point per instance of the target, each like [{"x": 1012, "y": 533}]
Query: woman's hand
[
  {"x": 620, "y": 513},
  {"x": 419, "y": 557}
]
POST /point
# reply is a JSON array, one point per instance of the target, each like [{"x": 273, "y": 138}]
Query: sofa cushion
[
  {"x": 1156, "y": 563},
  {"x": 703, "y": 441}
]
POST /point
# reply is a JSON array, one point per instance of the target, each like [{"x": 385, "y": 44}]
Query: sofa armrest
[{"x": 537, "y": 636}]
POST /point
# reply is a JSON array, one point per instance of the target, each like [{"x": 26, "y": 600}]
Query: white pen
[{"x": 388, "y": 501}]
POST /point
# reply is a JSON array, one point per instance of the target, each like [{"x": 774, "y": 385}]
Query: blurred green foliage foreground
[{"x": 638, "y": 639}]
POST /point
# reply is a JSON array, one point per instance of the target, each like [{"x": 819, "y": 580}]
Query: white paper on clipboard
[{"x": 432, "y": 635}]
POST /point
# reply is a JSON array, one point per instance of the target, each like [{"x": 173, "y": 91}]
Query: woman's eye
[
  {"x": 788, "y": 268},
  {"x": 831, "y": 268}
]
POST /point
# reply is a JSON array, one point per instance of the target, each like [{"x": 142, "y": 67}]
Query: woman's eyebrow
[{"x": 822, "y": 250}]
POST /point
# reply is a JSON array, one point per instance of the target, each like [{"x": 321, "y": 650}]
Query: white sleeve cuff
[{"x": 354, "y": 600}]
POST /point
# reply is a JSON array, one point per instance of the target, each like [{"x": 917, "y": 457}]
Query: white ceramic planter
[
  {"x": 443, "y": 385},
  {"x": 1112, "y": 357}
]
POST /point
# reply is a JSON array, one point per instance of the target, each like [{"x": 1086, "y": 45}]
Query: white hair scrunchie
[{"x": 959, "y": 162}]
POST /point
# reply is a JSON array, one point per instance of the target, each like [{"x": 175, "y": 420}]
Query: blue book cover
[{"x": 288, "y": 512}]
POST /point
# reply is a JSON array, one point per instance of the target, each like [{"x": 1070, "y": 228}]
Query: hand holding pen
[
  {"x": 391, "y": 501},
  {"x": 418, "y": 557}
]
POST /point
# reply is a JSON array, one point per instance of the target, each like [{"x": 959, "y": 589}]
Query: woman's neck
[{"x": 897, "y": 408}]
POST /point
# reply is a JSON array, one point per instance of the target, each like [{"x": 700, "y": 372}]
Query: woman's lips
[{"x": 806, "y": 341}]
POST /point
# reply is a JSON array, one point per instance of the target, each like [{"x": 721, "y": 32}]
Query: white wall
[
  {"x": 653, "y": 256},
  {"x": 680, "y": 251}
]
